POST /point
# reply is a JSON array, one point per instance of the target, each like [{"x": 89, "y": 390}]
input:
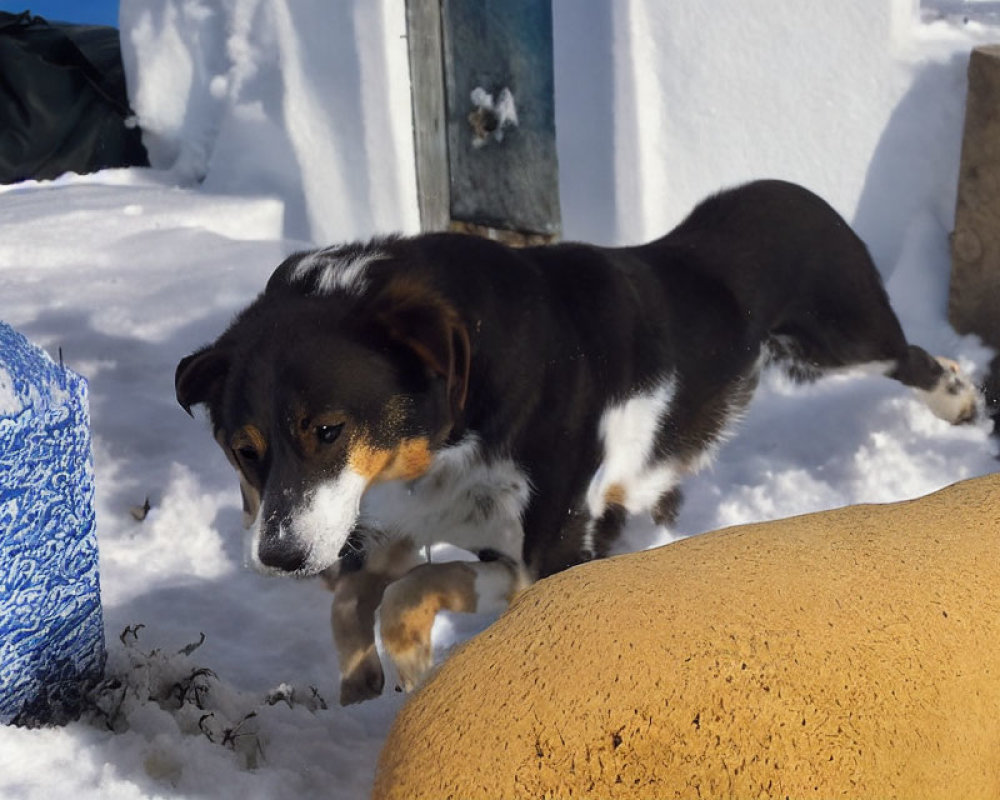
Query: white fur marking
[
  {"x": 628, "y": 431},
  {"x": 954, "y": 398},
  {"x": 328, "y": 517},
  {"x": 336, "y": 270},
  {"x": 495, "y": 585},
  {"x": 461, "y": 500},
  {"x": 322, "y": 522}
]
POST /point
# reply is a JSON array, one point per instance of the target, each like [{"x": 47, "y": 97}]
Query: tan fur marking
[
  {"x": 409, "y": 608},
  {"x": 221, "y": 441},
  {"x": 351, "y": 661},
  {"x": 249, "y": 436},
  {"x": 356, "y": 597},
  {"x": 615, "y": 495},
  {"x": 251, "y": 501},
  {"x": 367, "y": 460},
  {"x": 410, "y": 461}
]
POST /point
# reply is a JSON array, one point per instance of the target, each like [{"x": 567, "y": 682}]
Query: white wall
[
  {"x": 658, "y": 103},
  {"x": 796, "y": 89},
  {"x": 305, "y": 99}
]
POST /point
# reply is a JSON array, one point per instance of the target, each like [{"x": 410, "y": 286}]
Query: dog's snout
[{"x": 282, "y": 554}]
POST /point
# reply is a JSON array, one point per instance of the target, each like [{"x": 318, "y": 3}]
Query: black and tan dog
[{"x": 520, "y": 404}]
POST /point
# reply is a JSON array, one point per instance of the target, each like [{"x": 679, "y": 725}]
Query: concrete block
[{"x": 851, "y": 653}]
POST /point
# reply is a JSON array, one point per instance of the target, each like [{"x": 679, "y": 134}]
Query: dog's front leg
[
  {"x": 356, "y": 596},
  {"x": 411, "y": 603}
]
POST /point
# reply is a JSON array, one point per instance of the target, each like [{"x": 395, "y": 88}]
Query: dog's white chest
[
  {"x": 628, "y": 474},
  {"x": 462, "y": 500}
]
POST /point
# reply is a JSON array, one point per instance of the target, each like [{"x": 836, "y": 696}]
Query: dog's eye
[
  {"x": 327, "y": 434},
  {"x": 247, "y": 453},
  {"x": 248, "y": 445}
]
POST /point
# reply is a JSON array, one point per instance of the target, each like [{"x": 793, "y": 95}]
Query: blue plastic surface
[{"x": 51, "y": 627}]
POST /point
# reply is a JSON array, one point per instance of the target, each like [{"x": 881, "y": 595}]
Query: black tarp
[{"x": 63, "y": 103}]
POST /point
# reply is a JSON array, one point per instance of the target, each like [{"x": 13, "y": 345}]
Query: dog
[{"x": 520, "y": 404}]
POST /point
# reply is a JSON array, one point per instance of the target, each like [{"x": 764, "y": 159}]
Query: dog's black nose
[{"x": 282, "y": 554}]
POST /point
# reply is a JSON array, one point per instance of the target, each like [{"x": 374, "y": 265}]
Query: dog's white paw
[
  {"x": 955, "y": 398},
  {"x": 406, "y": 621},
  {"x": 413, "y": 665}
]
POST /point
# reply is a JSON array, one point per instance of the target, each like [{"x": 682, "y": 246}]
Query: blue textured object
[{"x": 51, "y": 627}]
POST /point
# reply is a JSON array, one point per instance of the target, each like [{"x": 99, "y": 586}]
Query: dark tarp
[{"x": 63, "y": 104}]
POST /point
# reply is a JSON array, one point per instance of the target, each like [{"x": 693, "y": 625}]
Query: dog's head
[{"x": 315, "y": 396}]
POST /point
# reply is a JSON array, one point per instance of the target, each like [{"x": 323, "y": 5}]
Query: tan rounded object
[{"x": 850, "y": 653}]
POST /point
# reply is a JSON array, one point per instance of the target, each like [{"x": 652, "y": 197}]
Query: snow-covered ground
[{"x": 127, "y": 273}]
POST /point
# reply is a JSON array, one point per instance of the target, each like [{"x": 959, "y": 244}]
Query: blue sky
[{"x": 94, "y": 12}]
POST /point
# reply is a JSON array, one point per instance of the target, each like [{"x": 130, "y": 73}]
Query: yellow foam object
[{"x": 849, "y": 653}]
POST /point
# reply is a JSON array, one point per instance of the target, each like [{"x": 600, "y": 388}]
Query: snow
[
  {"x": 10, "y": 402},
  {"x": 274, "y": 123}
]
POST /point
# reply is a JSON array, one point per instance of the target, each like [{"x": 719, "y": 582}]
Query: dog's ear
[
  {"x": 200, "y": 377},
  {"x": 431, "y": 328}
]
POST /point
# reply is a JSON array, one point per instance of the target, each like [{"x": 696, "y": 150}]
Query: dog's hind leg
[
  {"x": 840, "y": 316},
  {"x": 411, "y": 603},
  {"x": 357, "y": 593},
  {"x": 869, "y": 334},
  {"x": 940, "y": 383}
]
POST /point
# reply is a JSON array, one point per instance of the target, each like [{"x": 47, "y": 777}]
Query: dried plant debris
[
  {"x": 189, "y": 649},
  {"x": 193, "y": 695},
  {"x": 292, "y": 697},
  {"x": 139, "y": 513}
]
